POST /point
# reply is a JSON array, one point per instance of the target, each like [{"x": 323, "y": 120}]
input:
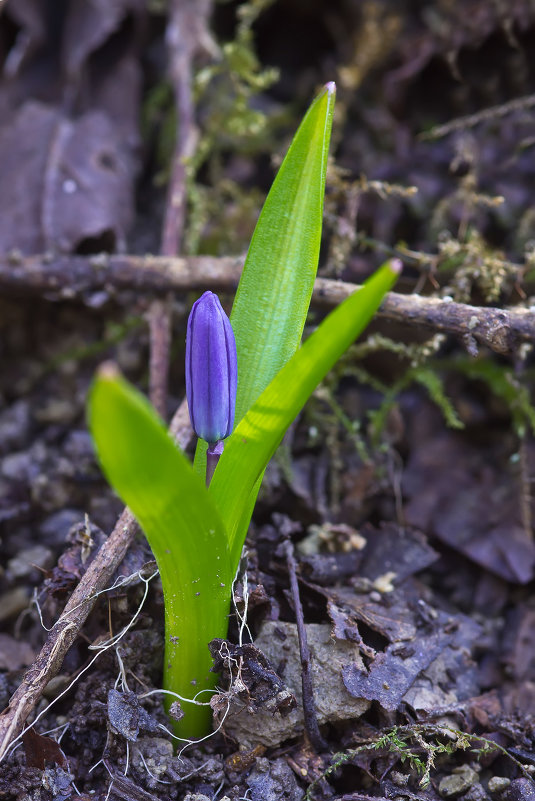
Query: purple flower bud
[{"x": 211, "y": 369}]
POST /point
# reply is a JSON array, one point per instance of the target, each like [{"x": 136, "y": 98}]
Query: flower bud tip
[
  {"x": 211, "y": 369},
  {"x": 108, "y": 371}
]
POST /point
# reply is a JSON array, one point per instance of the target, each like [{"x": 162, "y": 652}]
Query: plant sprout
[{"x": 196, "y": 531}]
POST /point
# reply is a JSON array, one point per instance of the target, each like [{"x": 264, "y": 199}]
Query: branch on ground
[{"x": 136, "y": 280}]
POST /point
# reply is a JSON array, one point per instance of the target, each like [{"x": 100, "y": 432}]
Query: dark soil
[{"x": 413, "y": 539}]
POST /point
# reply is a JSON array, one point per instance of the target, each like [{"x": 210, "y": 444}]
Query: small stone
[
  {"x": 520, "y": 790},
  {"x": 497, "y": 784},
  {"x": 361, "y": 585},
  {"x": 57, "y": 410},
  {"x": 13, "y": 602},
  {"x": 14, "y": 426},
  {"x": 196, "y": 797},
  {"x": 54, "y": 528},
  {"x": 25, "y": 562},
  {"x": 459, "y": 782},
  {"x": 476, "y": 793},
  {"x": 384, "y": 583},
  {"x": 55, "y": 686},
  {"x": 273, "y": 781},
  {"x": 400, "y": 779},
  {"x": 333, "y": 701},
  {"x": 17, "y": 466},
  {"x": 154, "y": 754}
]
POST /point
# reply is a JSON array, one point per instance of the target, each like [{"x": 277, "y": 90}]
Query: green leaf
[
  {"x": 273, "y": 296},
  {"x": 255, "y": 439},
  {"x": 182, "y": 525}
]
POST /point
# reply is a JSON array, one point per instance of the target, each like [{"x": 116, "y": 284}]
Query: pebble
[
  {"x": 13, "y": 602},
  {"x": 273, "y": 781},
  {"x": 196, "y": 797},
  {"x": 497, "y": 784},
  {"x": 56, "y": 686},
  {"x": 27, "y": 560},
  {"x": 459, "y": 782},
  {"x": 155, "y": 754},
  {"x": 14, "y": 426},
  {"x": 520, "y": 790},
  {"x": 54, "y": 529},
  {"x": 17, "y": 466}
]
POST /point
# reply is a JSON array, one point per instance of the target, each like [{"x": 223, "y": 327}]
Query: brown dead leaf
[
  {"x": 66, "y": 182},
  {"x": 14, "y": 654},
  {"x": 40, "y": 750},
  {"x": 394, "y": 549},
  {"x": 393, "y": 673},
  {"x": 88, "y": 26},
  {"x": 469, "y": 498}
]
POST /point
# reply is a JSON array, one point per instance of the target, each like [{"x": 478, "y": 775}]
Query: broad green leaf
[
  {"x": 273, "y": 295},
  {"x": 182, "y": 525},
  {"x": 255, "y": 439}
]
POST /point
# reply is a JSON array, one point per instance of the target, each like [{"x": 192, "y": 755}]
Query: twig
[
  {"x": 186, "y": 34},
  {"x": 131, "y": 280},
  {"x": 309, "y": 706},
  {"x": 492, "y": 113},
  {"x": 126, "y": 789},
  {"x": 80, "y": 604},
  {"x": 159, "y": 318},
  {"x": 187, "y": 18}
]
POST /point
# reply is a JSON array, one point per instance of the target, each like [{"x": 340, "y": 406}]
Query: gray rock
[
  {"x": 13, "y": 602},
  {"x": 54, "y": 529},
  {"x": 497, "y": 784},
  {"x": 152, "y": 755},
  {"x": 17, "y": 466},
  {"x": 14, "y": 426},
  {"x": 27, "y": 560},
  {"x": 459, "y": 782},
  {"x": 520, "y": 790},
  {"x": 273, "y": 781},
  {"x": 333, "y": 701},
  {"x": 196, "y": 797},
  {"x": 476, "y": 793}
]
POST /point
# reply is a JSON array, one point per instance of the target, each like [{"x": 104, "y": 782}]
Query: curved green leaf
[
  {"x": 273, "y": 296},
  {"x": 255, "y": 439},
  {"x": 182, "y": 525}
]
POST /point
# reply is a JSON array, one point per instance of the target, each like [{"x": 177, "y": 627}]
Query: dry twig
[
  {"x": 309, "y": 705},
  {"x": 134, "y": 280},
  {"x": 187, "y": 34}
]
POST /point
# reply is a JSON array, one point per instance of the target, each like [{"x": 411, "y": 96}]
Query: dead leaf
[
  {"x": 127, "y": 716},
  {"x": 468, "y": 497},
  {"x": 14, "y": 654},
  {"x": 88, "y": 25},
  {"x": 393, "y": 672},
  {"x": 40, "y": 750},
  {"x": 69, "y": 182},
  {"x": 394, "y": 549}
]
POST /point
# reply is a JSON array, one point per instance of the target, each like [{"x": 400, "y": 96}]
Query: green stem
[
  {"x": 196, "y": 612},
  {"x": 213, "y": 452}
]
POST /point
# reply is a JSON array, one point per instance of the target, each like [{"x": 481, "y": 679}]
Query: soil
[{"x": 413, "y": 538}]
